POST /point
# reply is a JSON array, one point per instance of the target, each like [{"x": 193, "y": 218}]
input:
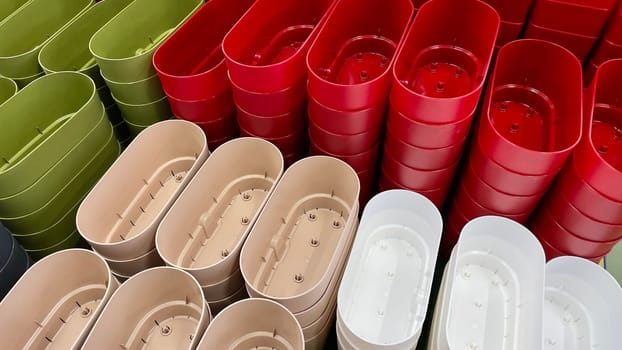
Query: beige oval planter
[
  {"x": 253, "y": 324},
  {"x": 225, "y": 288},
  {"x": 160, "y": 308},
  {"x": 56, "y": 302},
  {"x": 120, "y": 215},
  {"x": 204, "y": 231},
  {"x": 299, "y": 238},
  {"x": 217, "y": 306},
  {"x": 131, "y": 267}
]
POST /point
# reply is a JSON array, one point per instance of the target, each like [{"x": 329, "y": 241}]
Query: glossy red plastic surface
[
  {"x": 416, "y": 178},
  {"x": 471, "y": 209},
  {"x": 277, "y": 126},
  {"x": 531, "y": 128},
  {"x": 437, "y": 195},
  {"x": 349, "y": 62},
  {"x": 295, "y": 143},
  {"x": 585, "y": 17},
  {"x": 511, "y": 11},
  {"x": 440, "y": 69},
  {"x": 549, "y": 251},
  {"x": 211, "y": 108},
  {"x": 271, "y": 103},
  {"x": 579, "y": 45},
  {"x": 347, "y": 122},
  {"x": 224, "y": 128},
  {"x": 265, "y": 51},
  {"x": 509, "y": 31},
  {"x": 343, "y": 144},
  {"x": 190, "y": 63},
  {"x": 359, "y": 162},
  {"x": 613, "y": 32},
  {"x": 605, "y": 51}
]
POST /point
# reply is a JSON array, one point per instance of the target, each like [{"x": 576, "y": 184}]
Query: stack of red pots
[
  {"x": 193, "y": 72},
  {"x": 530, "y": 123},
  {"x": 349, "y": 80},
  {"x": 573, "y": 24},
  {"x": 609, "y": 47},
  {"x": 582, "y": 214},
  {"x": 265, "y": 53},
  {"x": 438, "y": 77},
  {"x": 513, "y": 16}
]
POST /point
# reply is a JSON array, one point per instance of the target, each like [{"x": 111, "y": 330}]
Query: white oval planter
[
  {"x": 160, "y": 308},
  {"x": 384, "y": 293},
  {"x": 56, "y": 302},
  {"x": 120, "y": 215}
]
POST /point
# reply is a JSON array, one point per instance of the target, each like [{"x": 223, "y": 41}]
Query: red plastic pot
[
  {"x": 605, "y": 51},
  {"x": 359, "y": 162},
  {"x": 216, "y": 143},
  {"x": 265, "y": 51},
  {"x": 456, "y": 217},
  {"x": 368, "y": 179},
  {"x": 422, "y": 158},
  {"x": 292, "y": 144},
  {"x": 424, "y": 135},
  {"x": 223, "y": 128},
  {"x": 532, "y": 128},
  {"x": 509, "y": 31},
  {"x": 212, "y": 108},
  {"x": 271, "y": 103},
  {"x": 613, "y": 32},
  {"x": 347, "y": 122},
  {"x": 277, "y": 126},
  {"x": 588, "y": 72},
  {"x": 471, "y": 209},
  {"x": 437, "y": 195},
  {"x": 416, "y": 178},
  {"x": 349, "y": 62},
  {"x": 511, "y": 11},
  {"x": 440, "y": 69},
  {"x": 579, "y": 45},
  {"x": 344, "y": 145},
  {"x": 549, "y": 250},
  {"x": 585, "y": 17}
]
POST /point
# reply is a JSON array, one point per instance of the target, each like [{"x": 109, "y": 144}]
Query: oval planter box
[
  {"x": 274, "y": 126},
  {"x": 217, "y": 306},
  {"x": 218, "y": 209},
  {"x": 144, "y": 91},
  {"x": 8, "y": 88},
  {"x": 438, "y": 332},
  {"x": 346, "y": 145},
  {"x": 309, "y": 214},
  {"x": 359, "y": 162},
  {"x": 77, "y": 285},
  {"x": 145, "y": 114},
  {"x": 71, "y": 241},
  {"x": 161, "y": 307},
  {"x": 10, "y": 8},
  {"x": 133, "y": 266},
  {"x": 417, "y": 178},
  {"x": 271, "y": 104},
  {"x": 200, "y": 111},
  {"x": 224, "y": 289},
  {"x": 244, "y": 325},
  {"x": 120, "y": 215},
  {"x": 394, "y": 255}
]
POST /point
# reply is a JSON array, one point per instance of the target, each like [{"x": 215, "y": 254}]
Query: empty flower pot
[
  {"x": 8, "y": 88},
  {"x": 223, "y": 128},
  {"x": 211, "y": 108},
  {"x": 440, "y": 69},
  {"x": 224, "y": 289},
  {"x": 349, "y": 62},
  {"x": 394, "y": 255},
  {"x": 22, "y": 82},
  {"x": 346, "y": 145},
  {"x": 148, "y": 23},
  {"x": 271, "y": 103},
  {"x": 436, "y": 195},
  {"x": 417, "y": 178},
  {"x": 238, "y": 178},
  {"x": 20, "y": 44},
  {"x": 77, "y": 285},
  {"x": 265, "y": 51},
  {"x": 134, "y": 266},
  {"x": 574, "y": 16},
  {"x": 10, "y": 7},
  {"x": 145, "y": 114},
  {"x": 120, "y": 215},
  {"x": 217, "y": 306},
  {"x": 294, "y": 143},
  {"x": 137, "y": 92},
  {"x": 472, "y": 209},
  {"x": 508, "y": 31},
  {"x": 161, "y": 307},
  {"x": 579, "y": 45},
  {"x": 273, "y": 126},
  {"x": 347, "y": 122},
  {"x": 244, "y": 325},
  {"x": 515, "y": 11},
  {"x": 72, "y": 241},
  {"x": 359, "y": 162},
  {"x": 605, "y": 51},
  {"x": 54, "y": 114},
  {"x": 318, "y": 333},
  {"x": 531, "y": 117},
  {"x": 309, "y": 215},
  {"x": 550, "y": 251},
  {"x": 192, "y": 69}
]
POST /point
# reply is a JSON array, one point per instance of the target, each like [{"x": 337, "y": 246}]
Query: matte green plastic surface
[
  {"x": 10, "y": 7},
  {"x": 70, "y": 242},
  {"x": 135, "y": 129},
  {"x": 146, "y": 114},
  {"x": 22, "y": 82},
  {"x": 8, "y": 88},
  {"x": 139, "y": 92}
]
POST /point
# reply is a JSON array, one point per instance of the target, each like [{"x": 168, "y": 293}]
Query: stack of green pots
[
  {"x": 9, "y": 7},
  {"x": 68, "y": 50},
  {"x": 124, "y": 48},
  {"x": 8, "y": 88},
  {"x": 25, "y": 31},
  {"x": 55, "y": 143}
]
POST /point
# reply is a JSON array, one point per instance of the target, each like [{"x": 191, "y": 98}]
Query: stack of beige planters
[
  {"x": 297, "y": 250},
  {"x": 120, "y": 215},
  {"x": 205, "y": 229}
]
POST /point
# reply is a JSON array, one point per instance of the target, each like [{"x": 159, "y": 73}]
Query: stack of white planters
[{"x": 384, "y": 294}]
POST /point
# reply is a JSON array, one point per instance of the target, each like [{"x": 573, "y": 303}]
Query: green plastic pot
[
  {"x": 69, "y": 49},
  {"x": 135, "y": 129},
  {"x": 41, "y": 123},
  {"x": 138, "y": 92},
  {"x": 22, "y": 82},
  {"x": 145, "y": 114},
  {"x": 8, "y": 88},
  {"x": 23, "y": 34},
  {"x": 9, "y": 8},
  {"x": 65, "y": 199},
  {"x": 54, "y": 179},
  {"x": 124, "y": 47},
  {"x": 71, "y": 241}
]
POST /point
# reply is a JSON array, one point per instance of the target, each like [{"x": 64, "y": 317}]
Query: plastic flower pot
[
  {"x": 134, "y": 266},
  {"x": 417, "y": 178},
  {"x": 22, "y": 82},
  {"x": 579, "y": 45},
  {"x": 8, "y": 88},
  {"x": 160, "y": 307},
  {"x": 580, "y": 290},
  {"x": 212, "y": 108},
  {"x": 238, "y": 178},
  {"x": 54, "y": 114},
  {"x": 192, "y": 69},
  {"x": 341, "y": 144},
  {"x": 145, "y": 114},
  {"x": 245, "y": 325},
  {"x": 217, "y": 306},
  {"x": 20, "y": 44},
  {"x": 273, "y": 126},
  {"x": 266, "y": 49},
  {"x": 293, "y": 143},
  {"x": 137, "y": 92},
  {"x": 606, "y": 50},
  {"x": 347, "y": 122},
  {"x": 440, "y": 69},
  {"x": 120, "y": 215},
  {"x": 271, "y": 103},
  {"x": 77, "y": 285},
  {"x": 515, "y": 11},
  {"x": 72, "y": 241},
  {"x": 580, "y": 17},
  {"x": 531, "y": 128},
  {"x": 226, "y": 128},
  {"x": 15, "y": 262},
  {"x": 135, "y": 129},
  {"x": 316, "y": 340},
  {"x": 471, "y": 209},
  {"x": 224, "y": 289},
  {"x": 436, "y": 195},
  {"x": 349, "y": 62},
  {"x": 550, "y": 251},
  {"x": 130, "y": 59},
  {"x": 508, "y": 31},
  {"x": 390, "y": 244},
  {"x": 613, "y": 31},
  {"x": 500, "y": 267},
  {"x": 68, "y": 50},
  {"x": 10, "y": 7},
  {"x": 309, "y": 214},
  {"x": 359, "y": 162}
]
